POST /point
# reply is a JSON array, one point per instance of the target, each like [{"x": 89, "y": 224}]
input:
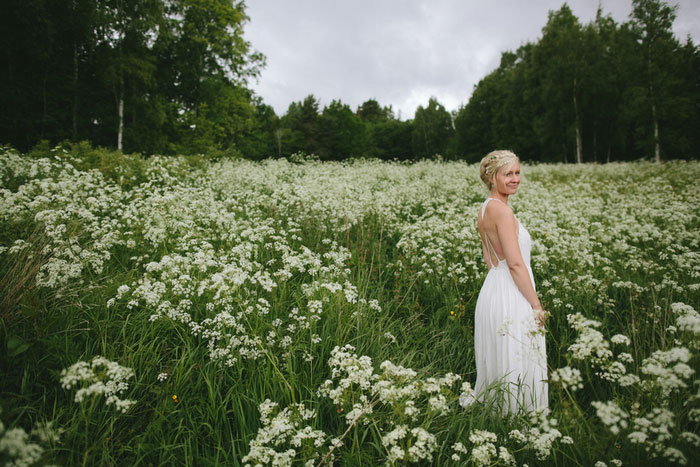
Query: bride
[{"x": 509, "y": 344}]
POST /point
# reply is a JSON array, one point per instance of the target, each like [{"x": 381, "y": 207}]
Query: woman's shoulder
[
  {"x": 499, "y": 213},
  {"x": 499, "y": 208}
]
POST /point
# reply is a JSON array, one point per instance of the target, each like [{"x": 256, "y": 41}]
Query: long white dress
[{"x": 509, "y": 346}]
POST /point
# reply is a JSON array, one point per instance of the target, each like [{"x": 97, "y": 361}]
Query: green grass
[{"x": 617, "y": 243}]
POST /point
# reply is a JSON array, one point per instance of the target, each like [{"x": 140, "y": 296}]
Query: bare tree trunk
[
  {"x": 75, "y": 90},
  {"x": 120, "y": 98},
  {"x": 608, "y": 159},
  {"x": 45, "y": 110},
  {"x": 579, "y": 143},
  {"x": 579, "y": 148},
  {"x": 121, "y": 115},
  {"x": 278, "y": 136},
  {"x": 657, "y": 147},
  {"x": 595, "y": 148},
  {"x": 75, "y": 82}
]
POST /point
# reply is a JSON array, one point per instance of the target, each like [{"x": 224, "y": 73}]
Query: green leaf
[{"x": 16, "y": 346}]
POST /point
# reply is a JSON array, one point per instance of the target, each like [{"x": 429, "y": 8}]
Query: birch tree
[{"x": 653, "y": 19}]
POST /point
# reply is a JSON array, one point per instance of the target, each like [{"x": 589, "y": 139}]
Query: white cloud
[{"x": 402, "y": 52}]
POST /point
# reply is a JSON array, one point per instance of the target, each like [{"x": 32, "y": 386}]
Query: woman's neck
[{"x": 499, "y": 196}]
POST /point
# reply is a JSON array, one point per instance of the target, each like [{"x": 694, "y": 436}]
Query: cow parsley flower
[
  {"x": 99, "y": 376},
  {"x": 611, "y": 415},
  {"x": 620, "y": 339},
  {"x": 283, "y": 434},
  {"x": 570, "y": 378}
]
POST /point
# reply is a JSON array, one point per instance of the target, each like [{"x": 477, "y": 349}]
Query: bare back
[{"x": 489, "y": 230}]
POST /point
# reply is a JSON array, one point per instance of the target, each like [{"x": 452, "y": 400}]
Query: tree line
[
  {"x": 596, "y": 92},
  {"x": 172, "y": 76},
  {"x": 155, "y": 76}
]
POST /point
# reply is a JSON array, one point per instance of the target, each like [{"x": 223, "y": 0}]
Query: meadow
[{"x": 193, "y": 311}]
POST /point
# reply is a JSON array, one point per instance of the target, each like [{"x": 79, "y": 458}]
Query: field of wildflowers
[{"x": 185, "y": 311}]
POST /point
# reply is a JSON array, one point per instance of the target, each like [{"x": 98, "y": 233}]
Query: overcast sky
[{"x": 401, "y": 52}]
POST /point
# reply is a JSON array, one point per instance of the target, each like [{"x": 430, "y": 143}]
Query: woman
[{"x": 511, "y": 363}]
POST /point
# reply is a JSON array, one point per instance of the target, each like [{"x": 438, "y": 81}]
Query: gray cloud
[{"x": 402, "y": 52}]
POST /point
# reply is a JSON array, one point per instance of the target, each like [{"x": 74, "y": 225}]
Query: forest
[{"x": 173, "y": 77}]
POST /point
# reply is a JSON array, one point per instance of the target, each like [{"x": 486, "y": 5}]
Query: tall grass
[{"x": 224, "y": 285}]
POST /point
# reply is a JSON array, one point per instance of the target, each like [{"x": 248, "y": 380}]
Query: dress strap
[
  {"x": 489, "y": 246},
  {"x": 486, "y": 201}
]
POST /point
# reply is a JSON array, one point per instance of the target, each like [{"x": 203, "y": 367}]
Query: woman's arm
[{"x": 506, "y": 229}]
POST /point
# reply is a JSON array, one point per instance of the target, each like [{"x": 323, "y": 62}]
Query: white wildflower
[
  {"x": 390, "y": 337},
  {"x": 483, "y": 454},
  {"x": 100, "y": 376},
  {"x": 46, "y": 432},
  {"x": 570, "y": 378},
  {"x": 611, "y": 415},
  {"x": 16, "y": 444},
  {"x": 505, "y": 456},
  {"x": 482, "y": 436},
  {"x": 620, "y": 339}
]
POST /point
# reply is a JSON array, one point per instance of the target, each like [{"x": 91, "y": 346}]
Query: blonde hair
[{"x": 494, "y": 161}]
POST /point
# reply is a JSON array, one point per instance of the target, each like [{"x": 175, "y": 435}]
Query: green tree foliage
[
  {"x": 432, "y": 130},
  {"x": 559, "y": 63},
  {"x": 603, "y": 97},
  {"x": 597, "y": 92},
  {"x": 503, "y": 110},
  {"x": 300, "y": 127},
  {"x": 40, "y": 41},
  {"x": 342, "y": 133},
  {"x": 371, "y": 112},
  {"x": 387, "y": 137},
  {"x": 207, "y": 65},
  {"x": 392, "y": 139},
  {"x": 153, "y": 75},
  {"x": 171, "y": 76},
  {"x": 663, "y": 79},
  {"x": 259, "y": 141}
]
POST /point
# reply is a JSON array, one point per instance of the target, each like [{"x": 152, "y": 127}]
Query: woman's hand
[{"x": 540, "y": 316}]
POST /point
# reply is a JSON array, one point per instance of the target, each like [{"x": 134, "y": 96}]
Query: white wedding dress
[{"x": 509, "y": 346}]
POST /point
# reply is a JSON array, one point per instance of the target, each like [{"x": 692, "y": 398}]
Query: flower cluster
[
  {"x": 591, "y": 345},
  {"x": 358, "y": 390},
  {"x": 668, "y": 371},
  {"x": 484, "y": 446},
  {"x": 411, "y": 445},
  {"x": 254, "y": 259},
  {"x": 18, "y": 447},
  {"x": 688, "y": 321},
  {"x": 351, "y": 375},
  {"x": 16, "y": 444},
  {"x": 538, "y": 435},
  {"x": 99, "y": 377},
  {"x": 286, "y": 435},
  {"x": 611, "y": 415},
  {"x": 661, "y": 375},
  {"x": 355, "y": 384},
  {"x": 570, "y": 378},
  {"x": 654, "y": 431}
]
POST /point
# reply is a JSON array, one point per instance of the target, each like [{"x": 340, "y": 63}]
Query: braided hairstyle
[{"x": 494, "y": 161}]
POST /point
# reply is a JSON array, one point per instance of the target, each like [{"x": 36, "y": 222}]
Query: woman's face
[{"x": 507, "y": 179}]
